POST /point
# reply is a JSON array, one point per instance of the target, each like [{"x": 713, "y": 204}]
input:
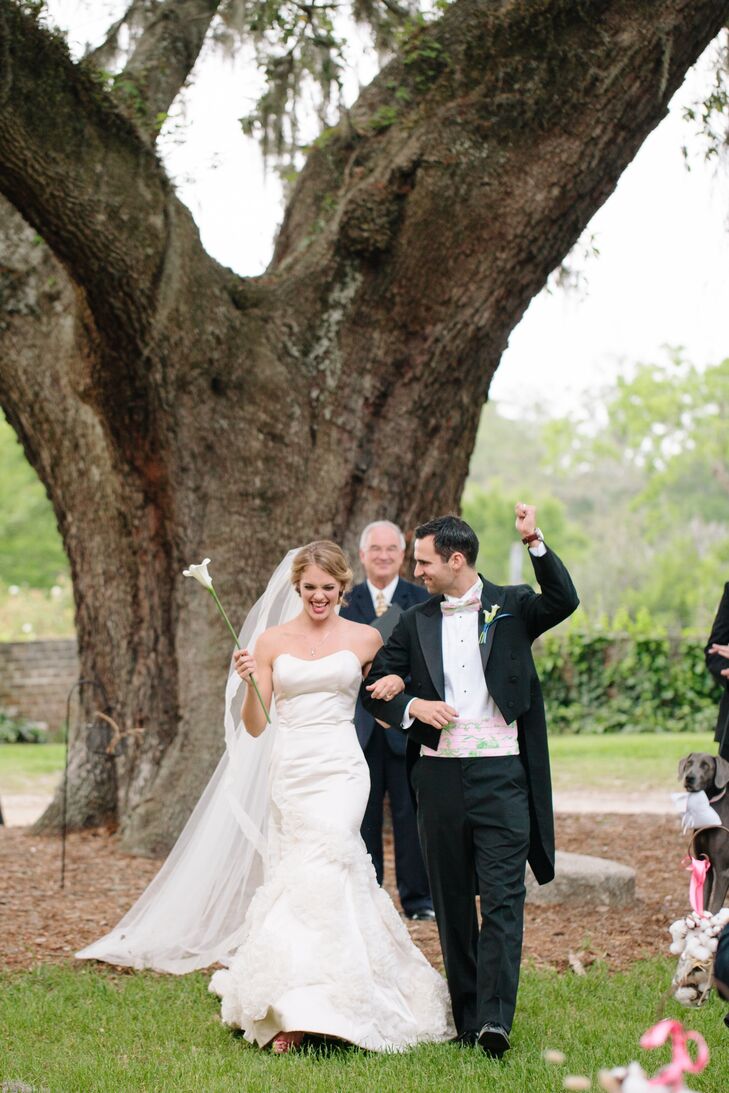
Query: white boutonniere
[{"x": 489, "y": 618}]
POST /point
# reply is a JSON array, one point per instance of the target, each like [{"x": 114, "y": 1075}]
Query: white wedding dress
[{"x": 323, "y": 949}]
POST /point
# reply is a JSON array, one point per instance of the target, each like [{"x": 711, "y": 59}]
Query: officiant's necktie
[{"x": 381, "y": 604}]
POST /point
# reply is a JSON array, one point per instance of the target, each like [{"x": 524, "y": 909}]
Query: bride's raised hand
[
  {"x": 245, "y": 664},
  {"x": 386, "y": 687}
]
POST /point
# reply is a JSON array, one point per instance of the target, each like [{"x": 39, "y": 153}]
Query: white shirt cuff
[
  {"x": 539, "y": 549},
  {"x": 407, "y": 720}
]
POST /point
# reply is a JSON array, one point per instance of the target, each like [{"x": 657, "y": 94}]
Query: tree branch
[
  {"x": 166, "y": 54},
  {"x": 79, "y": 173},
  {"x": 137, "y": 18},
  {"x": 458, "y": 181},
  {"x": 466, "y": 101},
  {"x": 396, "y": 9}
]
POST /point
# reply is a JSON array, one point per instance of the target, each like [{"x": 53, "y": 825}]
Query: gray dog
[{"x": 711, "y": 773}]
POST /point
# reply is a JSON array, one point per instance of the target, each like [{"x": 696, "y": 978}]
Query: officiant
[{"x": 379, "y": 600}]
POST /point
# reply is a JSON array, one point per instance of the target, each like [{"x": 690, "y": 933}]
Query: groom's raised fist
[{"x": 526, "y": 518}]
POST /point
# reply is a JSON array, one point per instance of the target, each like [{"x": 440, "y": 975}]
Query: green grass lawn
[
  {"x": 618, "y": 761},
  {"x": 28, "y": 768},
  {"x": 85, "y": 1029},
  {"x": 623, "y": 761},
  {"x": 88, "y": 1029}
]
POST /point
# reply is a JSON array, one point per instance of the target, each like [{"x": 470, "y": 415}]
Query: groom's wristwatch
[{"x": 536, "y": 536}]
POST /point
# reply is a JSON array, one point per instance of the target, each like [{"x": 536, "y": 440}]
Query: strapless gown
[{"x": 324, "y": 950}]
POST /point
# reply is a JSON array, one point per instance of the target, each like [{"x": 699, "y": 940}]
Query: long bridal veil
[{"x": 192, "y": 913}]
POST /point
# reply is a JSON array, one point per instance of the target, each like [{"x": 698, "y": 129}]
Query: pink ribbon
[
  {"x": 698, "y": 867},
  {"x": 681, "y": 1062}
]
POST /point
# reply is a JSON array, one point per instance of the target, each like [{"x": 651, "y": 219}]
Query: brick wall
[{"x": 35, "y": 678}]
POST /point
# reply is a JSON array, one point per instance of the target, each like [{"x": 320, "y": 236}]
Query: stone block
[{"x": 580, "y": 878}]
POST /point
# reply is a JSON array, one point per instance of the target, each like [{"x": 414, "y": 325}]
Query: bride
[{"x": 270, "y": 876}]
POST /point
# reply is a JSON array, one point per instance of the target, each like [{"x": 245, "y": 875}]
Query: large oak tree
[{"x": 173, "y": 408}]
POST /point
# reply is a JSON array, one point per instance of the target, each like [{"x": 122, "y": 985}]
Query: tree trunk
[{"x": 182, "y": 411}]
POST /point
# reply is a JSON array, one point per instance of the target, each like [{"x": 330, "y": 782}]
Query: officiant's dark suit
[
  {"x": 480, "y": 818},
  {"x": 384, "y": 750},
  {"x": 715, "y": 663}
]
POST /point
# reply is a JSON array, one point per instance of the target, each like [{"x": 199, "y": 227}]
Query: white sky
[{"x": 661, "y": 278}]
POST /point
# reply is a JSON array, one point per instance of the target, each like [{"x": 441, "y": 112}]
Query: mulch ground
[{"x": 42, "y": 923}]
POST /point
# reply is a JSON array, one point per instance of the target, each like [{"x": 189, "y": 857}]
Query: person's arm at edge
[{"x": 719, "y": 636}]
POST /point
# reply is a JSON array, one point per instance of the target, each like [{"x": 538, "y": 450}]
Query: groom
[{"x": 477, "y": 747}]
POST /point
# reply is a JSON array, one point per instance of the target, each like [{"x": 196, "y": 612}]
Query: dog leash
[
  {"x": 698, "y": 831},
  {"x": 699, "y": 867}
]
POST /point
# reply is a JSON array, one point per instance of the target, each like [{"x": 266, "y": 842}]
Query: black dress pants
[
  {"x": 473, "y": 820},
  {"x": 388, "y": 775}
]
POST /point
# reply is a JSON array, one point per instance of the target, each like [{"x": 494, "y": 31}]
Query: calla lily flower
[
  {"x": 201, "y": 575},
  {"x": 489, "y": 618}
]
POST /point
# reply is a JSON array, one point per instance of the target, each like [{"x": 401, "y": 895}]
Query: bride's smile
[{"x": 320, "y": 594}]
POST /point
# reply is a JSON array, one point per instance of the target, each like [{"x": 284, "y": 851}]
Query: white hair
[{"x": 380, "y": 524}]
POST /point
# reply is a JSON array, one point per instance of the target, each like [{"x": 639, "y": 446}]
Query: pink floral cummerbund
[{"x": 476, "y": 739}]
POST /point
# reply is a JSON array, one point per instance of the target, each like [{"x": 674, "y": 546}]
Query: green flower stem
[{"x": 221, "y": 609}]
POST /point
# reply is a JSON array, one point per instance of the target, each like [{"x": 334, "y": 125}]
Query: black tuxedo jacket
[
  {"x": 715, "y": 663},
  {"x": 360, "y": 608},
  {"x": 415, "y": 649}
]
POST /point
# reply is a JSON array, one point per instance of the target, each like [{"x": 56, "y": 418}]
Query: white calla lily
[
  {"x": 200, "y": 573},
  {"x": 489, "y": 618}
]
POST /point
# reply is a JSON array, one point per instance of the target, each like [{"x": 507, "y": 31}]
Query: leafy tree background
[
  {"x": 637, "y": 498},
  {"x": 31, "y": 552}
]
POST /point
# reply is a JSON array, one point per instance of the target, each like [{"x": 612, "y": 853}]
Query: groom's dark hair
[{"x": 451, "y": 534}]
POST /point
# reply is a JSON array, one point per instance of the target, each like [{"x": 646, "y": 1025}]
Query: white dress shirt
[
  {"x": 388, "y": 591},
  {"x": 465, "y": 683}
]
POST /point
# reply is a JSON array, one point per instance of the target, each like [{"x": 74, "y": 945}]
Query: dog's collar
[{"x": 713, "y": 800}]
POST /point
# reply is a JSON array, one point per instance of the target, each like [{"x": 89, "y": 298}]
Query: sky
[{"x": 661, "y": 276}]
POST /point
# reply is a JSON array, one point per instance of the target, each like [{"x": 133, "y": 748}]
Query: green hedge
[
  {"x": 16, "y": 730},
  {"x": 626, "y": 682}
]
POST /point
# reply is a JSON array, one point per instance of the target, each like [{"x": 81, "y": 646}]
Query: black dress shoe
[
  {"x": 427, "y": 914},
  {"x": 466, "y": 1039},
  {"x": 494, "y": 1039}
]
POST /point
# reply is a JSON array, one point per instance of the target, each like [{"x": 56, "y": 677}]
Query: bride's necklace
[{"x": 314, "y": 648}]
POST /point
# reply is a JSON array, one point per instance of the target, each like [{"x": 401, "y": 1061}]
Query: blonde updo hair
[{"x": 327, "y": 556}]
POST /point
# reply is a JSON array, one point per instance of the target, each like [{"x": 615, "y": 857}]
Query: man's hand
[
  {"x": 437, "y": 714},
  {"x": 526, "y": 518},
  {"x": 386, "y": 687},
  {"x": 722, "y": 651}
]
